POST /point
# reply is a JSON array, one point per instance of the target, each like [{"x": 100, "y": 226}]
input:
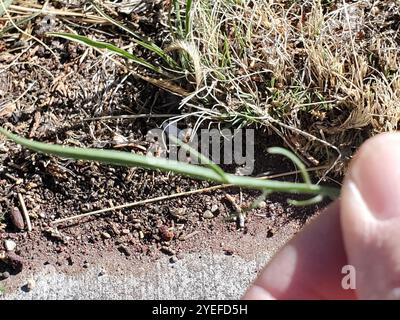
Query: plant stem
[{"x": 193, "y": 171}]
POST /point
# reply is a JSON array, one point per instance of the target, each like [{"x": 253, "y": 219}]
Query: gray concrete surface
[
  {"x": 193, "y": 277},
  {"x": 203, "y": 274}
]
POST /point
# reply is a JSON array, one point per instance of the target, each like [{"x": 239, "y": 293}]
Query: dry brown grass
[{"x": 324, "y": 75}]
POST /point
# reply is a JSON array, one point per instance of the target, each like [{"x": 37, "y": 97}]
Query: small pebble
[
  {"x": 136, "y": 226},
  {"x": 214, "y": 208},
  {"x": 42, "y": 215},
  {"x": 102, "y": 272},
  {"x": 168, "y": 251},
  {"x": 10, "y": 245},
  {"x": 229, "y": 251},
  {"x": 15, "y": 261},
  {"x": 30, "y": 284},
  {"x": 5, "y": 275},
  {"x": 105, "y": 235},
  {"x": 16, "y": 218},
  {"x": 123, "y": 249},
  {"x": 173, "y": 259},
  {"x": 166, "y": 234},
  {"x": 241, "y": 220},
  {"x": 208, "y": 214},
  {"x": 262, "y": 204}
]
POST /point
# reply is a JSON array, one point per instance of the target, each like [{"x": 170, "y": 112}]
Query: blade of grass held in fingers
[
  {"x": 193, "y": 171},
  {"x": 202, "y": 159}
]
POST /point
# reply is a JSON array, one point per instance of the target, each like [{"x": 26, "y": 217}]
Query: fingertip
[
  {"x": 309, "y": 266},
  {"x": 255, "y": 292},
  {"x": 370, "y": 216}
]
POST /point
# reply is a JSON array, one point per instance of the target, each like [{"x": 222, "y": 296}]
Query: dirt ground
[{"x": 53, "y": 98}]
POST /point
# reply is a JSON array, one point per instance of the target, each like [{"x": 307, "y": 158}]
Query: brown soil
[{"x": 49, "y": 100}]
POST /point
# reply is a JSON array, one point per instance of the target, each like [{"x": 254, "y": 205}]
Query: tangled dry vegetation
[{"x": 322, "y": 74}]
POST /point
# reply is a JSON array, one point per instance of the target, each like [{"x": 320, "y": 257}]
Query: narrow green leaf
[
  {"x": 300, "y": 165},
  {"x": 137, "y": 38},
  {"x": 103, "y": 45},
  {"x": 178, "y": 21},
  {"x": 193, "y": 171},
  {"x": 18, "y": 23},
  {"x": 187, "y": 16},
  {"x": 201, "y": 158},
  {"x": 307, "y": 202}
]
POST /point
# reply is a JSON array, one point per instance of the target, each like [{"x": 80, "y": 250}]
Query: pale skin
[{"x": 361, "y": 229}]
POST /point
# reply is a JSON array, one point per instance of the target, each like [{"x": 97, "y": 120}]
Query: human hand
[{"x": 361, "y": 229}]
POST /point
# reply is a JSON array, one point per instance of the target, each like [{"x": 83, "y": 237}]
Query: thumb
[{"x": 370, "y": 217}]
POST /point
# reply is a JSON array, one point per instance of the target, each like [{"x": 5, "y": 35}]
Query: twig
[
  {"x": 25, "y": 212},
  {"x": 233, "y": 203},
  {"x": 131, "y": 116},
  {"x": 16, "y": 180},
  {"x": 87, "y": 17},
  {"x": 238, "y": 210},
  {"x": 25, "y": 92},
  {"x": 172, "y": 196},
  {"x": 191, "y": 235},
  {"x": 134, "y": 204}
]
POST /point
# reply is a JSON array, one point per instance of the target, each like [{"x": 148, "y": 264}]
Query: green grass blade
[
  {"x": 187, "y": 16},
  {"x": 18, "y": 23},
  {"x": 307, "y": 202},
  {"x": 202, "y": 159},
  {"x": 103, "y": 45},
  {"x": 114, "y": 157},
  {"x": 193, "y": 171},
  {"x": 137, "y": 38},
  {"x": 178, "y": 20},
  {"x": 300, "y": 165}
]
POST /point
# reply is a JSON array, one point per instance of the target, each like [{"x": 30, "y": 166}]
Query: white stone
[{"x": 10, "y": 245}]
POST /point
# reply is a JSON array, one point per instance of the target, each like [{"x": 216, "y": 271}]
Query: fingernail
[{"x": 375, "y": 174}]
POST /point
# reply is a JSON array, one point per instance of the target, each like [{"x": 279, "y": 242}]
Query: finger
[
  {"x": 310, "y": 266},
  {"x": 371, "y": 217}
]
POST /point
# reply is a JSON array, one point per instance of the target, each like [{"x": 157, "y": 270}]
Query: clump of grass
[
  {"x": 316, "y": 72},
  {"x": 324, "y": 75}
]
